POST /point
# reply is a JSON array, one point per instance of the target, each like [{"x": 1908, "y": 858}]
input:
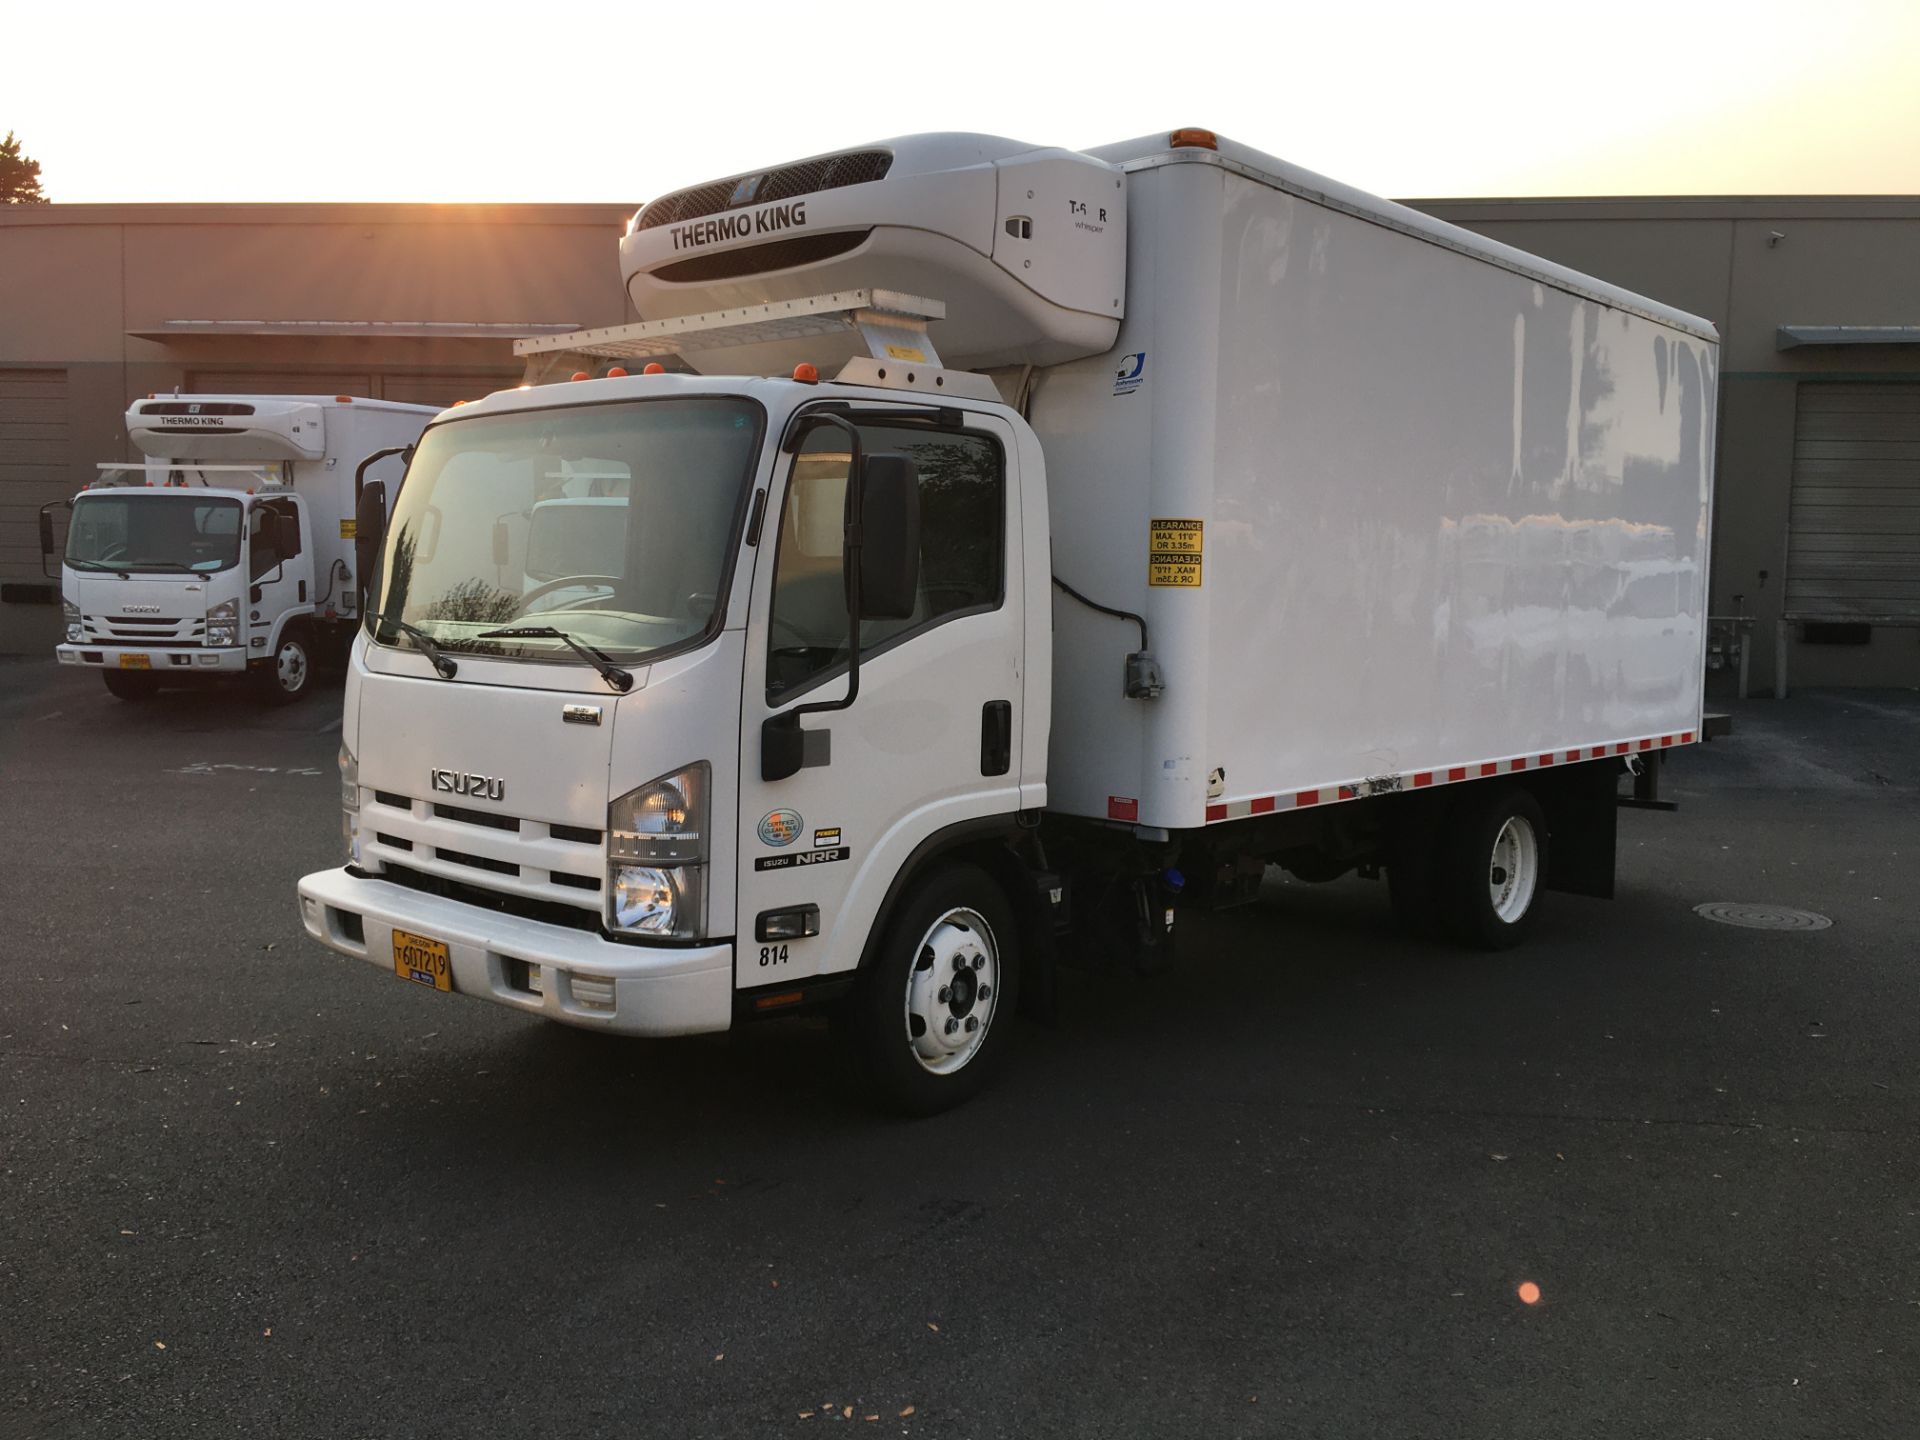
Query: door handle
[{"x": 996, "y": 737}]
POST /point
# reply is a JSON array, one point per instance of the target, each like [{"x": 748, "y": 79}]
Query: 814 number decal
[{"x": 773, "y": 955}]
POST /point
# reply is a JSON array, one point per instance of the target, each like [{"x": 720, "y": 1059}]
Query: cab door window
[
  {"x": 962, "y": 547},
  {"x": 263, "y": 541}
]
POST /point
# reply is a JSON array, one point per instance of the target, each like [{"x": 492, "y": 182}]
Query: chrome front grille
[
  {"x": 144, "y": 629},
  {"x": 506, "y": 853}
]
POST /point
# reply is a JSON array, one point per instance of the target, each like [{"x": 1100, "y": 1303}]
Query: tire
[
  {"x": 1492, "y": 867},
  {"x": 130, "y": 688},
  {"x": 953, "y": 923},
  {"x": 289, "y": 674}
]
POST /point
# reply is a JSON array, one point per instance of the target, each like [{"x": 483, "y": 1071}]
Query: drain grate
[{"x": 1761, "y": 917}]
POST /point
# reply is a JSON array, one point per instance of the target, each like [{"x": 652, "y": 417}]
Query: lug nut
[
  {"x": 959, "y": 962},
  {"x": 979, "y": 961},
  {"x": 985, "y": 991},
  {"x": 973, "y": 1023},
  {"x": 952, "y": 1025},
  {"x": 946, "y": 994}
]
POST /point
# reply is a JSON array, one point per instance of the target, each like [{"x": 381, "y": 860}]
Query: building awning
[
  {"x": 1791, "y": 337},
  {"x": 355, "y": 329}
]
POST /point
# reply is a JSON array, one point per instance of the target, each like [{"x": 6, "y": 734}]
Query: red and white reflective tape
[{"x": 1439, "y": 775}]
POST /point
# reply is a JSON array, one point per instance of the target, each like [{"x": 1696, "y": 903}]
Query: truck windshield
[
  {"x": 612, "y": 523},
  {"x": 149, "y": 530}
]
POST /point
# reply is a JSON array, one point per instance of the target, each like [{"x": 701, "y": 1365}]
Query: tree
[{"x": 19, "y": 176}]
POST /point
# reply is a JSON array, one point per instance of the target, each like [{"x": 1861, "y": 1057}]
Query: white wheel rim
[
  {"x": 293, "y": 667},
  {"x": 953, "y": 990},
  {"x": 1514, "y": 869}
]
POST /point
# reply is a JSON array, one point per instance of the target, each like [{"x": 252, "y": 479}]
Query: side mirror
[
  {"x": 286, "y": 534},
  {"x": 369, "y": 530},
  {"x": 46, "y": 533},
  {"x": 890, "y": 539}
]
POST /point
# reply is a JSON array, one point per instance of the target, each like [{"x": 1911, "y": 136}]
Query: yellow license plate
[
  {"x": 422, "y": 960},
  {"x": 136, "y": 662}
]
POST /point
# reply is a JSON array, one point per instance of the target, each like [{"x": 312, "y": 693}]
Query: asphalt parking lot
[{"x": 248, "y": 1187}]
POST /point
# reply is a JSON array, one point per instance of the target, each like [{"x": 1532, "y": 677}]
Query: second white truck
[
  {"x": 227, "y": 551},
  {"x": 1170, "y": 513}
]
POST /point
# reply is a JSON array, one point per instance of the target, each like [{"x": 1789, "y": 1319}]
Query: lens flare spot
[{"x": 1529, "y": 1293}]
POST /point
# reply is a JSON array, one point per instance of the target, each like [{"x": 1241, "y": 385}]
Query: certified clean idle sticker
[
  {"x": 1174, "y": 552},
  {"x": 781, "y": 827}
]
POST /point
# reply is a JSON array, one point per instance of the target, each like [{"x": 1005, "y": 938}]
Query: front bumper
[
  {"x": 565, "y": 975},
  {"x": 161, "y": 659}
]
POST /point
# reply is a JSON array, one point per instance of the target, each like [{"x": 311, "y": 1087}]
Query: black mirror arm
[{"x": 360, "y": 471}]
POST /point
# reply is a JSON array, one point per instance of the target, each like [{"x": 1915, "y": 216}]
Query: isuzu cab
[{"x": 1167, "y": 513}]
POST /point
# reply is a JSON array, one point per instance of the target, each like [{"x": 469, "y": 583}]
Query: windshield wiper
[
  {"x": 433, "y": 652},
  {"x": 98, "y": 565},
  {"x": 621, "y": 680},
  {"x": 160, "y": 565}
]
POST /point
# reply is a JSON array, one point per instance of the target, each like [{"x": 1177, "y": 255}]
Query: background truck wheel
[
  {"x": 285, "y": 678},
  {"x": 930, "y": 1018},
  {"x": 130, "y": 687},
  {"x": 1492, "y": 867}
]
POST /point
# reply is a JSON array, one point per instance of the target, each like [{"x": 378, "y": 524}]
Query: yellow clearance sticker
[
  {"x": 906, "y": 352},
  {"x": 349, "y": 529},
  {"x": 1174, "y": 552}
]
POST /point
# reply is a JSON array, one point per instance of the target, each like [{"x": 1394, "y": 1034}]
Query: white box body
[{"x": 1453, "y": 504}]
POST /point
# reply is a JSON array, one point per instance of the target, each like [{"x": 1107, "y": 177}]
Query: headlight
[
  {"x": 223, "y": 623},
  {"x": 71, "y": 612},
  {"x": 350, "y": 805},
  {"x": 657, "y": 856}
]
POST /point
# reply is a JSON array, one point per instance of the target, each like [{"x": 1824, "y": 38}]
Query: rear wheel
[
  {"x": 284, "y": 678},
  {"x": 1492, "y": 866},
  {"x": 130, "y": 687},
  {"x": 931, "y": 1015}
]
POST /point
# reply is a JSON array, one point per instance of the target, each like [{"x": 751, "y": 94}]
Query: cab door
[
  {"x": 933, "y": 737},
  {"x": 278, "y": 570}
]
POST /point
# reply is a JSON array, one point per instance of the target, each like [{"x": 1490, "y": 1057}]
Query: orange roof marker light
[
  {"x": 581, "y": 375},
  {"x": 343, "y": 399},
  {"x": 654, "y": 367},
  {"x": 1529, "y": 1293},
  {"x": 1193, "y": 138},
  {"x": 806, "y": 374},
  {"x": 616, "y": 372}
]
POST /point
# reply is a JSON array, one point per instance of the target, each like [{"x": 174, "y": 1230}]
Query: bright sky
[{"x": 580, "y": 100}]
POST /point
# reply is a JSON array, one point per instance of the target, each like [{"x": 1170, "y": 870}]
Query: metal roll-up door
[
  {"x": 1853, "y": 537},
  {"x": 33, "y": 467}
]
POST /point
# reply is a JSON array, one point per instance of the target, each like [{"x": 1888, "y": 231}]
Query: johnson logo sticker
[{"x": 781, "y": 827}]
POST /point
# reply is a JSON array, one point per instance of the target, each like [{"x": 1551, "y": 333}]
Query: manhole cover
[{"x": 1762, "y": 917}]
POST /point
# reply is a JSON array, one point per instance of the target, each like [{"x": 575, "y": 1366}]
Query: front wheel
[
  {"x": 931, "y": 1015},
  {"x": 284, "y": 678},
  {"x": 1493, "y": 867}
]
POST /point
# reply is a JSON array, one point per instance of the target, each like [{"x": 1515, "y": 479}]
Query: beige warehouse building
[{"x": 1817, "y": 531}]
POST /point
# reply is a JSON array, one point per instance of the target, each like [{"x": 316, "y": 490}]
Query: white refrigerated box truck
[
  {"x": 1171, "y": 513},
  {"x": 227, "y": 550}
]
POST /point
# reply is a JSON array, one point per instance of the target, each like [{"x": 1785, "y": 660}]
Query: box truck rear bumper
[
  {"x": 565, "y": 975},
  {"x": 160, "y": 659}
]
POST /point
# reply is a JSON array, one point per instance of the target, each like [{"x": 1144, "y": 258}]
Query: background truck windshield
[
  {"x": 145, "y": 530},
  {"x": 613, "y": 523}
]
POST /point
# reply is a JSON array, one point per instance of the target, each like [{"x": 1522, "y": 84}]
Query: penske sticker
[{"x": 1174, "y": 552}]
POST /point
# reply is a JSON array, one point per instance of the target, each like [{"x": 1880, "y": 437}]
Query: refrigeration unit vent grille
[
  {"x": 808, "y": 177},
  {"x": 761, "y": 259}
]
